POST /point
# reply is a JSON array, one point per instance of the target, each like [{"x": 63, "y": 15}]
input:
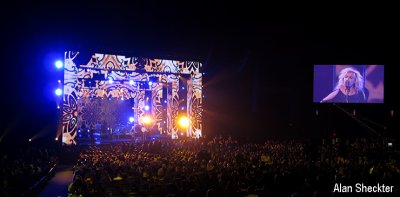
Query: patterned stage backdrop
[
  {"x": 111, "y": 113},
  {"x": 90, "y": 79}
]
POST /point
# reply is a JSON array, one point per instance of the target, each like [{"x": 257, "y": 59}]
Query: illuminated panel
[{"x": 90, "y": 79}]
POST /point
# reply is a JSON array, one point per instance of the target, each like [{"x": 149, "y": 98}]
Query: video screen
[{"x": 348, "y": 84}]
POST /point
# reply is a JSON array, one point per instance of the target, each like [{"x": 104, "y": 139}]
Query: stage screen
[
  {"x": 112, "y": 98},
  {"x": 348, "y": 84}
]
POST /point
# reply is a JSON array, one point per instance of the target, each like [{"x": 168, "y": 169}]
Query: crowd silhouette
[
  {"x": 208, "y": 167},
  {"x": 224, "y": 167}
]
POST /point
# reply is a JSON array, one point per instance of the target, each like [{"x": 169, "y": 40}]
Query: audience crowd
[
  {"x": 224, "y": 167},
  {"x": 208, "y": 167},
  {"x": 24, "y": 167}
]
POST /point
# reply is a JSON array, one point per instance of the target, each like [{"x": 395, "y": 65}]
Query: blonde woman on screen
[{"x": 349, "y": 88}]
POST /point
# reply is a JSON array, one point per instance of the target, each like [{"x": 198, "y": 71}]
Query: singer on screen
[{"x": 349, "y": 88}]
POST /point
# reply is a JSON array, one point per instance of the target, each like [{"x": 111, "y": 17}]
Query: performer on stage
[{"x": 144, "y": 131}]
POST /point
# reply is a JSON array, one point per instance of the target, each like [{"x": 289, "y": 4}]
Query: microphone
[{"x": 347, "y": 83}]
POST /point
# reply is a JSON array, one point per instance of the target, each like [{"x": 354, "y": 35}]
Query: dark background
[{"x": 258, "y": 61}]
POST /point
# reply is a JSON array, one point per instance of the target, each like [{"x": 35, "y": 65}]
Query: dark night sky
[{"x": 259, "y": 61}]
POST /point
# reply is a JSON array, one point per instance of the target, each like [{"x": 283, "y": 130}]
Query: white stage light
[
  {"x": 59, "y": 64},
  {"x": 58, "y": 91}
]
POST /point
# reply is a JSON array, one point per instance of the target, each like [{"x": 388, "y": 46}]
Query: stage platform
[{"x": 109, "y": 139}]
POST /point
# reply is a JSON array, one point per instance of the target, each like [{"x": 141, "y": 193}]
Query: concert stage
[
  {"x": 111, "y": 93},
  {"x": 98, "y": 138}
]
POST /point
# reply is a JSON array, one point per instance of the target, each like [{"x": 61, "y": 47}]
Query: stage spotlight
[
  {"x": 181, "y": 133},
  {"x": 131, "y": 119},
  {"x": 150, "y": 83},
  {"x": 110, "y": 80},
  {"x": 165, "y": 101},
  {"x": 183, "y": 121},
  {"x": 146, "y": 108},
  {"x": 182, "y": 108},
  {"x": 58, "y": 91},
  {"x": 59, "y": 64},
  {"x": 131, "y": 82},
  {"x": 56, "y": 139},
  {"x": 146, "y": 119},
  {"x": 58, "y": 107},
  {"x": 183, "y": 88},
  {"x": 30, "y": 140},
  {"x": 59, "y": 81}
]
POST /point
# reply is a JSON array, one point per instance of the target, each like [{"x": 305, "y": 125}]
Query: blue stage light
[
  {"x": 58, "y": 92},
  {"x": 59, "y": 64},
  {"x": 131, "y": 119},
  {"x": 146, "y": 108}
]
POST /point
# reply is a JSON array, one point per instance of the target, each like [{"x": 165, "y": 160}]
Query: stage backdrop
[{"x": 175, "y": 90}]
